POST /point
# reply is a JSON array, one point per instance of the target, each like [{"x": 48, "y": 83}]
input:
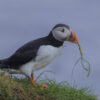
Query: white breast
[
  {"x": 47, "y": 52},
  {"x": 45, "y": 55}
]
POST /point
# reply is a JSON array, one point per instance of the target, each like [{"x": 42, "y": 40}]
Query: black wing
[{"x": 25, "y": 54}]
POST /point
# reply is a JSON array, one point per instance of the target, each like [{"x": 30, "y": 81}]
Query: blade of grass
[
  {"x": 83, "y": 60},
  {"x": 43, "y": 73}
]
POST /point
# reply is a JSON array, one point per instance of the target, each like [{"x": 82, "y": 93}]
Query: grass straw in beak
[{"x": 83, "y": 62}]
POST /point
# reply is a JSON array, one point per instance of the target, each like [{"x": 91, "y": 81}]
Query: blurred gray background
[{"x": 25, "y": 20}]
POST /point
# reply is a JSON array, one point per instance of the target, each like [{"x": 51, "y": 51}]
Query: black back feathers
[{"x": 29, "y": 51}]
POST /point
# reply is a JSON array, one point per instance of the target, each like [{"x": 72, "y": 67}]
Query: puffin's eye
[{"x": 62, "y": 30}]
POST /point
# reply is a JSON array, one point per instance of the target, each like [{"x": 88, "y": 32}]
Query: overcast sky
[{"x": 25, "y": 20}]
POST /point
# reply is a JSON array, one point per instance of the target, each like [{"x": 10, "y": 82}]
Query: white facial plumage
[{"x": 60, "y": 33}]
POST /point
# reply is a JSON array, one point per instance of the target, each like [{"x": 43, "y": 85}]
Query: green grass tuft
[{"x": 15, "y": 89}]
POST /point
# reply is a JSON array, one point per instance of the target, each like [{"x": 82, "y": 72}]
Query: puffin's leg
[
  {"x": 32, "y": 79},
  {"x": 34, "y": 83}
]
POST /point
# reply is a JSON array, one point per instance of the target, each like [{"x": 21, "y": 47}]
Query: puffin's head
[{"x": 62, "y": 32}]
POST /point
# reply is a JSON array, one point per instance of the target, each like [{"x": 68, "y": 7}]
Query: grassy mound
[{"x": 14, "y": 89}]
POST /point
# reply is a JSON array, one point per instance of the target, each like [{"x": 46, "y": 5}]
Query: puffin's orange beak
[{"x": 72, "y": 37}]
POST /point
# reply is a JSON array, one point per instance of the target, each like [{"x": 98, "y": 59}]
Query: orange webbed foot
[
  {"x": 44, "y": 85},
  {"x": 35, "y": 84}
]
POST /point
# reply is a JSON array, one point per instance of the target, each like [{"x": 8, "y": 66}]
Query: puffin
[{"x": 38, "y": 53}]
